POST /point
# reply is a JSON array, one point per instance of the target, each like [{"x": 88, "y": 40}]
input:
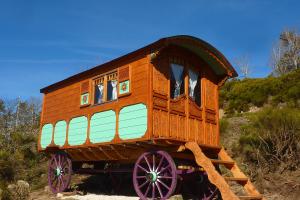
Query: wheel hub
[
  {"x": 152, "y": 176},
  {"x": 58, "y": 171}
]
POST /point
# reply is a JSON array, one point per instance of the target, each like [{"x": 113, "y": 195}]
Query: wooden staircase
[{"x": 220, "y": 181}]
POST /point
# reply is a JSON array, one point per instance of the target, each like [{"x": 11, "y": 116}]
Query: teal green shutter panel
[
  {"x": 103, "y": 126},
  {"x": 60, "y": 132},
  {"x": 77, "y": 131},
  {"x": 133, "y": 121},
  {"x": 46, "y": 135}
]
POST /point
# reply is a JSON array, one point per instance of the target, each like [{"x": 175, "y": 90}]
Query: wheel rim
[
  {"x": 154, "y": 175},
  {"x": 59, "y": 173}
]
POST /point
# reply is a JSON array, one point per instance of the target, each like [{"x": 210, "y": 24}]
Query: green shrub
[
  {"x": 223, "y": 125},
  {"x": 272, "y": 138},
  {"x": 239, "y": 95}
]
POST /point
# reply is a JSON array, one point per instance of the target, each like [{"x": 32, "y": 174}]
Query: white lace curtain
[
  {"x": 177, "y": 71},
  {"x": 193, "y": 79},
  {"x": 114, "y": 90},
  {"x": 100, "y": 88}
]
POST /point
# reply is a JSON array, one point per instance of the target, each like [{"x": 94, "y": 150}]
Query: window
[
  {"x": 112, "y": 87},
  {"x": 106, "y": 88},
  {"x": 99, "y": 90},
  {"x": 177, "y": 80},
  {"x": 194, "y": 87}
]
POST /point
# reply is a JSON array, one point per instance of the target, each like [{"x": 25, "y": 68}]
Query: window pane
[
  {"x": 112, "y": 90},
  {"x": 193, "y": 80},
  {"x": 99, "y": 93},
  {"x": 194, "y": 87},
  {"x": 177, "y": 82}
]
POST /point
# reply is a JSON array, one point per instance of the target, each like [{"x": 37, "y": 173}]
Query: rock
[
  {"x": 221, "y": 113},
  {"x": 1, "y": 194},
  {"x": 20, "y": 190},
  {"x": 59, "y": 195},
  {"x": 253, "y": 109}
]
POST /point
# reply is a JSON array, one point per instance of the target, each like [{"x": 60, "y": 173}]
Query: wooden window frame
[
  {"x": 105, "y": 77},
  {"x": 189, "y": 67},
  {"x": 186, "y": 67},
  {"x": 184, "y": 74}
]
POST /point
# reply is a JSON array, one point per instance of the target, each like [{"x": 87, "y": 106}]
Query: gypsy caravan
[{"x": 154, "y": 112}]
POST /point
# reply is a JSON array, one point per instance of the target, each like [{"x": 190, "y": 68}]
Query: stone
[
  {"x": 20, "y": 190},
  {"x": 59, "y": 195}
]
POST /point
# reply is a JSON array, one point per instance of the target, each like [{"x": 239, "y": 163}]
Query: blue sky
[{"x": 42, "y": 42}]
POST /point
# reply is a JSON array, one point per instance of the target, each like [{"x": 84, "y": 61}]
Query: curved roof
[{"x": 206, "y": 51}]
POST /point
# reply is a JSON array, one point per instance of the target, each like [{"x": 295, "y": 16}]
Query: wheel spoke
[
  {"x": 149, "y": 166},
  {"x": 62, "y": 181},
  {"x": 52, "y": 167},
  {"x": 59, "y": 160},
  {"x": 160, "y": 163},
  {"x": 153, "y": 190},
  {"x": 148, "y": 189},
  {"x": 143, "y": 184},
  {"x": 159, "y": 189},
  {"x": 53, "y": 179},
  {"x": 164, "y": 184},
  {"x": 54, "y": 158},
  {"x": 164, "y": 169},
  {"x": 165, "y": 177},
  {"x": 153, "y": 162},
  {"x": 143, "y": 168},
  {"x": 57, "y": 186}
]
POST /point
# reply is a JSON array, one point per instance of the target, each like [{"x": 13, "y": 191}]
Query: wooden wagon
[{"x": 154, "y": 112}]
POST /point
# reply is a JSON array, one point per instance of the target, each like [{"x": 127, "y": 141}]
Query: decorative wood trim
[
  {"x": 160, "y": 101},
  {"x": 195, "y": 111},
  {"x": 124, "y": 74},
  {"x": 210, "y": 116},
  {"x": 177, "y": 106}
]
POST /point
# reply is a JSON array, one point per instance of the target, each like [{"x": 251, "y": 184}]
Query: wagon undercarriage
[{"x": 159, "y": 171}]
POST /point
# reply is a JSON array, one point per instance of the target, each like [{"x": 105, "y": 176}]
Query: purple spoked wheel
[
  {"x": 59, "y": 172},
  {"x": 154, "y": 175},
  {"x": 206, "y": 190}
]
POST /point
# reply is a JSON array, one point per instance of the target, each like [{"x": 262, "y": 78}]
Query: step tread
[
  {"x": 237, "y": 179},
  {"x": 257, "y": 197},
  {"x": 224, "y": 162}
]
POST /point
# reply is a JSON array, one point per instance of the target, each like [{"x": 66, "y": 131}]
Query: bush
[
  {"x": 239, "y": 95},
  {"x": 223, "y": 125},
  {"x": 272, "y": 138}
]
